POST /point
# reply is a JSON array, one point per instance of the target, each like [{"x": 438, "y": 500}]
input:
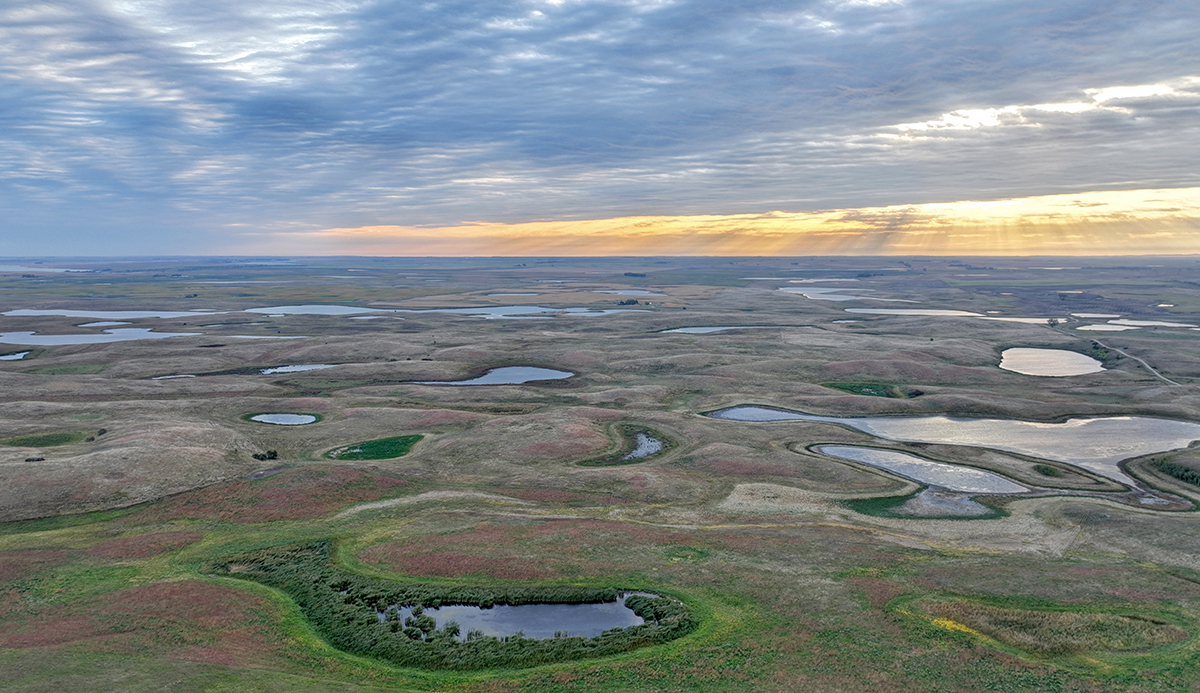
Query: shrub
[
  {"x": 344, "y": 607},
  {"x": 1185, "y": 474}
]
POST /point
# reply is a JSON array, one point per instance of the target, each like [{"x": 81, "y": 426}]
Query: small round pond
[
  {"x": 1056, "y": 363},
  {"x": 286, "y": 419}
]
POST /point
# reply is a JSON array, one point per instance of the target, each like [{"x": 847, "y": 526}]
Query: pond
[
  {"x": 709, "y": 330},
  {"x": 629, "y": 292},
  {"x": 521, "y": 312},
  {"x": 173, "y": 377},
  {"x": 298, "y": 368},
  {"x": 644, "y": 446},
  {"x": 923, "y": 471},
  {"x": 1106, "y": 328},
  {"x": 508, "y": 375},
  {"x": 120, "y": 335},
  {"x": 14, "y": 357},
  {"x": 1149, "y": 323},
  {"x": 1098, "y": 444},
  {"x": 111, "y": 314},
  {"x": 828, "y": 293},
  {"x": 285, "y": 419},
  {"x": 313, "y": 309},
  {"x": 1048, "y": 362},
  {"x": 23, "y": 268},
  {"x": 916, "y": 311},
  {"x": 105, "y": 323},
  {"x": 537, "y": 621}
]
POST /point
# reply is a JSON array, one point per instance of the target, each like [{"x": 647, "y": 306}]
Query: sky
[{"x": 658, "y": 127}]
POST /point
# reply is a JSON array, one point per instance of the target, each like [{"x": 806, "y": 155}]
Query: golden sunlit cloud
[{"x": 1128, "y": 222}]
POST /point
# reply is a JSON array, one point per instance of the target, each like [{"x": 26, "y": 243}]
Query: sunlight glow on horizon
[{"x": 1128, "y": 222}]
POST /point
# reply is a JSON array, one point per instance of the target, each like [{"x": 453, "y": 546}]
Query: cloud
[{"x": 164, "y": 124}]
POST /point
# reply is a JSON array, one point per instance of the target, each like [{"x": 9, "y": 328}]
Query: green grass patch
[
  {"x": 381, "y": 449},
  {"x": 46, "y": 440},
  {"x": 343, "y": 607},
  {"x": 72, "y": 369},
  {"x": 887, "y": 506},
  {"x": 1059, "y": 632},
  {"x": 1047, "y": 470},
  {"x": 47, "y": 524},
  {"x": 875, "y": 390}
]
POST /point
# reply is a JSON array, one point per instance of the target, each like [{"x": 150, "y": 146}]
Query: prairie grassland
[
  {"x": 108, "y": 544},
  {"x": 1060, "y": 632}
]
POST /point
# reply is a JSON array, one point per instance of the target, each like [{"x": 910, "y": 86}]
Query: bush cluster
[
  {"x": 344, "y": 607},
  {"x": 1184, "y": 474}
]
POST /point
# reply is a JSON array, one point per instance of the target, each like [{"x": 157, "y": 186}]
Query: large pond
[
  {"x": 23, "y": 268},
  {"x": 709, "y": 330},
  {"x": 1048, "y": 362},
  {"x": 519, "y": 312},
  {"x": 509, "y": 375},
  {"x": 284, "y": 419},
  {"x": 830, "y": 293},
  {"x": 299, "y": 368},
  {"x": 536, "y": 621},
  {"x": 1097, "y": 443},
  {"x": 111, "y": 314},
  {"x": 937, "y": 312},
  {"x": 313, "y": 309},
  {"x": 122, "y": 335},
  {"x": 948, "y": 476}
]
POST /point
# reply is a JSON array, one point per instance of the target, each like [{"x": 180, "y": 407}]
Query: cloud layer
[{"x": 155, "y": 126}]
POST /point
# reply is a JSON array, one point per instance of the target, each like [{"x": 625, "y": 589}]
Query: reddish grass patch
[
  {"x": 453, "y": 564},
  {"x": 22, "y": 563},
  {"x": 445, "y": 417},
  {"x": 188, "y": 619},
  {"x": 144, "y": 545},
  {"x": 878, "y": 592},
  {"x": 295, "y": 494}
]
